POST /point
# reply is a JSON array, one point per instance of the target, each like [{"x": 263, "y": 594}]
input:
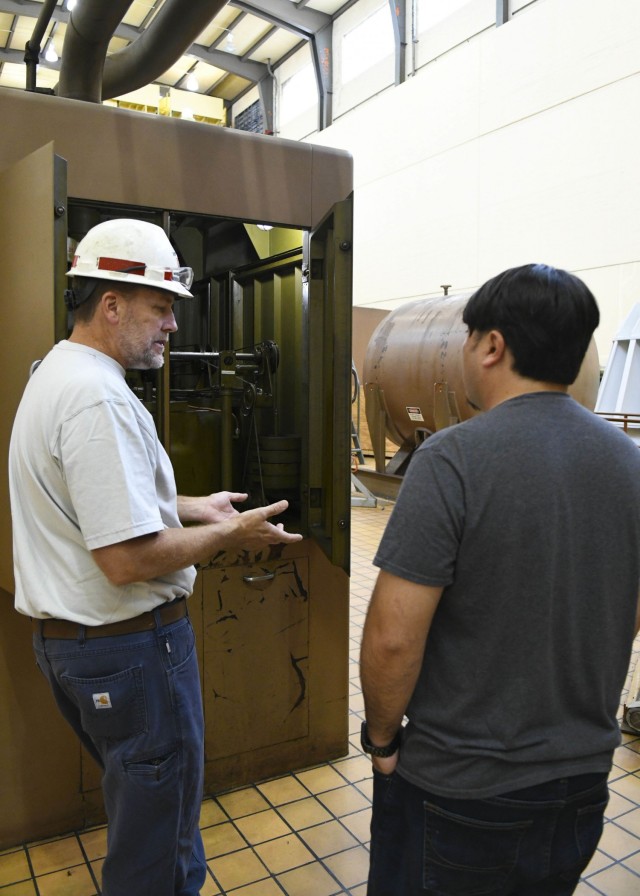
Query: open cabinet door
[
  {"x": 33, "y": 226},
  {"x": 327, "y": 284}
]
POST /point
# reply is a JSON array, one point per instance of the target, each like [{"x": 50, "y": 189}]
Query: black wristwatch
[{"x": 380, "y": 752}]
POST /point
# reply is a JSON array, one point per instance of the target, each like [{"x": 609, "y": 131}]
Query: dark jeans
[
  {"x": 135, "y": 703},
  {"x": 532, "y": 842}
]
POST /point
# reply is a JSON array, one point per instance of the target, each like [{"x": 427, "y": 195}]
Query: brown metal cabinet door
[
  {"x": 327, "y": 269},
  {"x": 256, "y": 653},
  {"x": 33, "y": 231}
]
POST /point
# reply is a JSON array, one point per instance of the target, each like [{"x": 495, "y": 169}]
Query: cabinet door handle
[{"x": 253, "y": 580}]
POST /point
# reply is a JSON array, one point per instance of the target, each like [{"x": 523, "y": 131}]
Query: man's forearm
[
  {"x": 393, "y": 644},
  {"x": 164, "y": 552},
  {"x": 387, "y": 684},
  {"x": 160, "y": 553}
]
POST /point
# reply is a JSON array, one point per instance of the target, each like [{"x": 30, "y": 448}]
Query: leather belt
[{"x": 65, "y": 630}]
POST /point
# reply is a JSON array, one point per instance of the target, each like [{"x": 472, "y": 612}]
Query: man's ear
[
  {"x": 111, "y": 306},
  {"x": 495, "y": 348}
]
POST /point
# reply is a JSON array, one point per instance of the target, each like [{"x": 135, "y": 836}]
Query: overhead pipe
[
  {"x": 86, "y": 73},
  {"x": 168, "y": 36},
  {"x": 33, "y": 45},
  {"x": 91, "y": 27}
]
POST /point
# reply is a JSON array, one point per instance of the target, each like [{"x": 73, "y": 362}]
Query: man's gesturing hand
[{"x": 252, "y": 529}]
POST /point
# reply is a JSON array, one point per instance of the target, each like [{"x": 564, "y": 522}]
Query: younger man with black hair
[{"x": 502, "y": 620}]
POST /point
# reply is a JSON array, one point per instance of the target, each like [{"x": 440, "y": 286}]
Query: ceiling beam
[
  {"x": 17, "y": 57},
  {"x": 229, "y": 62},
  {"x": 261, "y": 40},
  {"x": 32, "y": 10},
  {"x": 285, "y": 14},
  {"x": 502, "y": 12},
  {"x": 322, "y": 57},
  {"x": 251, "y": 71},
  {"x": 399, "y": 19}
]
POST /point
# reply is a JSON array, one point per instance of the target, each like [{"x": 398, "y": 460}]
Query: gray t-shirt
[
  {"x": 86, "y": 470},
  {"x": 529, "y": 516}
]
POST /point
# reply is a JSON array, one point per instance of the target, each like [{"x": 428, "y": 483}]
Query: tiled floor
[{"x": 306, "y": 834}]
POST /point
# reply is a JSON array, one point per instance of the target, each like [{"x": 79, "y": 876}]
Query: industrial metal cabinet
[{"x": 255, "y": 396}]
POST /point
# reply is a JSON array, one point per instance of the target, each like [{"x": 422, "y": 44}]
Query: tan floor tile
[
  {"x": 626, "y": 759},
  {"x": 355, "y": 723},
  {"x": 633, "y": 864},
  {"x": 25, "y": 888},
  {"x": 617, "y": 881},
  {"x": 359, "y": 891},
  {"x": 631, "y": 822},
  {"x": 354, "y": 745},
  {"x": 366, "y": 788},
  {"x": 263, "y": 888},
  {"x": 317, "y": 780},
  {"x": 70, "y": 882},
  {"x": 598, "y": 862},
  {"x": 351, "y": 867},
  {"x": 55, "y": 855},
  {"x": 14, "y": 867},
  {"x": 627, "y": 786},
  {"x": 304, "y": 813},
  {"x": 583, "y": 889},
  {"x": 616, "y": 842},
  {"x": 238, "y": 869},
  {"x": 359, "y": 823},
  {"x": 242, "y": 802},
  {"x": 262, "y": 826},
  {"x": 94, "y": 843},
  {"x": 327, "y": 839},
  {"x": 618, "y": 805},
  {"x": 344, "y": 800},
  {"x": 211, "y": 813},
  {"x": 355, "y": 769},
  {"x": 284, "y": 853},
  {"x": 283, "y": 790},
  {"x": 311, "y": 880},
  {"x": 221, "y": 839},
  {"x": 209, "y": 888},
  {"x": 96, "y": 867}
]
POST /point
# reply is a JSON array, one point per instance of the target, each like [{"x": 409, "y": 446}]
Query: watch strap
[{"x": 379, "y": 752}]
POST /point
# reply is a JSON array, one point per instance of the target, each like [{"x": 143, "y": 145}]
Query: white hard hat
[{"x": 131, "y": 251}]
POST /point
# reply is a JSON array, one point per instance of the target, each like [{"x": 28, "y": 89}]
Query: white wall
[{"x": 519, "y": 144}]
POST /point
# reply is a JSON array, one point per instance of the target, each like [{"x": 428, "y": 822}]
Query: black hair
[{"x": 547, "y": 317}]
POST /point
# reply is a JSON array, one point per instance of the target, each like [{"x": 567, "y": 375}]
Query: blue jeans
[
  {"x": 532, "y": 842},
  {"x": 135, "y": 703}
]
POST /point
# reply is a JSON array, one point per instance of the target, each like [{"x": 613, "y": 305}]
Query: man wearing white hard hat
[{"x": 103, "y": 565}]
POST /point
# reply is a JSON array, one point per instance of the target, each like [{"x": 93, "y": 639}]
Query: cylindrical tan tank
[{"x": 413, "y": 376}]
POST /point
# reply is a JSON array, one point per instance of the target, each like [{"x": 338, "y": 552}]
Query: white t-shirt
[{"x": 86, "y": 470}]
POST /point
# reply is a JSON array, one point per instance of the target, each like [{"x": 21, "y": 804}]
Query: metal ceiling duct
[
  {"x": 90, "y": 28},
  {"x": 86, "y": 73}
]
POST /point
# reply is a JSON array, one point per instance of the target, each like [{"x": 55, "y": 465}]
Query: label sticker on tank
[
  {"x": 102, "y": 701},
  {"x": 415, "y": 414}
]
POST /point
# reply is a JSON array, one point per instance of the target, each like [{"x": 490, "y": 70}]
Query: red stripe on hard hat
[{"x": 119, "y": 264}]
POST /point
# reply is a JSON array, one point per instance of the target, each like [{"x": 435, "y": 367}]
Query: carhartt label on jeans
[{"x": 102, "y": 701}]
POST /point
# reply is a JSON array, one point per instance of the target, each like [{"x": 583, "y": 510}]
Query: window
[
  {"x": 430, "y": 12},
  {"x": 299, "y": 93},
  {"x": 367, "y": 43}
]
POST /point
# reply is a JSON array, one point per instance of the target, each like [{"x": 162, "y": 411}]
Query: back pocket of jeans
[
  {"x": 589, "y": 824},
  {"x": 111, "y": 707},
  {"x": 468, "y": 856}
]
